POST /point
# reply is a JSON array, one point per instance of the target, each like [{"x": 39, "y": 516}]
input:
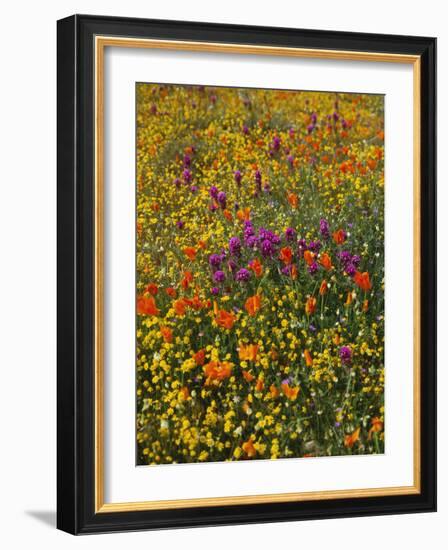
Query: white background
[
  {"x": 27, "y": 273},
  {"x": 126, "y": 483}
]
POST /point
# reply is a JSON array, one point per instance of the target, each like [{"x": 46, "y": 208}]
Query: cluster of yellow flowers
[{"x": 260, "y": 274}]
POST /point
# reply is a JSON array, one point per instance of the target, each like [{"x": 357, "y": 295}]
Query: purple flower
[
  {"x": 258, "y": 179},
  {"x": 212, "y": 207},
  {"x": 214, "y": 291},
  {"x": 310, "y": 128},
  {"x": 266, "y": 188},
  {"x": 235, "y": 246},
  {"x": 314, "y": 118},
  {"x": 243, "y": 275},
  {"x": 313, "y": 268},
  {"x": 214, "y": 260},
  {"x": 290, "y": 234},
  {"x": 232, "y": 265},
  {"x": 301, "y": 247},
  {"x": 222, "y": 199},
  {"x": 350, "y": 269},
  {"x": 345, "y": 257},
  {"x": 290, "y": 159},
  {"x": 237, "y": 176},
  {"x": 193, "y": 188},
  {"x": 252, "y": 241},
  {"x": 291, "y": 132},
  {"x": 187, "y": 161},
  {"x": 276, "y": 143},
  {"x": 219, "y": 276},
  {"x": 266, "y": 248},
  {"x": 213, "y": 192},
  {"x": 177, "y": 182},
  {"x": 245, "y": 129},
  {"x": 356, "y": 260},
  {"x": 345, "y": 353},
  {"x": 180, "y": 224},
  {"x": 324, "y": 228},
  {"x": 315, "y": 246},
  {"x": 187, "y": 175},
  {"x": 287, "y": 270}
]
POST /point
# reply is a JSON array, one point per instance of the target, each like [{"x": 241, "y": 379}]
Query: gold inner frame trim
[{"x": 101, "y": 42}]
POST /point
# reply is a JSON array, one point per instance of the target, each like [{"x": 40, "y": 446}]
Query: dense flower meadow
[{"x": 260, "y": 274}]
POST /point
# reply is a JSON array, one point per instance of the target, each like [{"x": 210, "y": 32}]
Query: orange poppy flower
[
  {"x": 349, "y": 299},
  {"x": 225, "y": 319},
  {"x": 199, "y": 357},
  {"x": 294, "y": 271},
  {"x": 256, "y": 267},
  {"x": 291, "y": 393},
  {"x": 339, "y": 236},
  {"x": 249, "y": 449},
  {"x": 180, "y": 307},
  {"x": 337, "y": 339},
  {"x": 308, "y": 256},
  {"x": 243, "y": 215},
  {"x": 152, "y": 288},
  {"x": 308, "y": 358},
  {"x": 377, "y": 426},
  {"x": 310, "y": 306},
  {"x": 146, "y": 306},
  {"x": 325, "y": 261},
  {"x": 228, "y": 216},
  {"x": 351, "y": 439},
  {"x": 167, "y": 334},
  {"x": 363, "y": 280},
  {"x": 274, "y": 391},
  {"x": 323, "y": 288},
  {"x": 365, "y": 306},
  {"x": 171, "y": 292},
  {"x": 184, "y": 393},
  {"x": 253, "y": 304},
  {"x": 202, "y": 244},
  {"x": 293, "y": 200},
  {"x": 259, "y": 385},
  {"x": 248, "y": 376},
  {"x": 286, "y": 255},
  {"x": 248, "y": 353},
  {"x": 190, "y": 252},
  {"x": 217, "y": 371},
  {"x": 186, "y": 280}
]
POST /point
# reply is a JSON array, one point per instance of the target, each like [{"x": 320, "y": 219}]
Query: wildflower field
[{"x": 260, "y": 274}]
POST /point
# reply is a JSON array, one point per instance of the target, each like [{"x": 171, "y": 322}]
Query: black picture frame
[{"x": 76, "y": 264}]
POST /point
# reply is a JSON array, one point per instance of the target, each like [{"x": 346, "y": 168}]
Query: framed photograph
[{"x": 246, "y": 274}]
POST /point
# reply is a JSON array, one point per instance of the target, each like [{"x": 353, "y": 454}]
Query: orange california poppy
[
  {"x": 293, "y": 200},
  {"x": 184, "y": 393},
  {"x": 199, "y": 357},
  {"x": 365, "y": 306},
  {"x": 249, "y": 449},
  {"x": 225, "y": 319},
  {"x": 248, "y": 376},
  {"x": 349, "y": 299},
  {"x": 274, "y": 391},
  {"x": 259, "y": 385},
  {"x": 186, "y": 280},
  {"x": 248, "y": 353},
  {"x": 180, "y": 307},
  {"x": 167, "y": 334},
  {"x": 286, "y": 255},
  {"x": 253, "y": 304},
  {"x": 325, "y": 261},
  {"x": 291, "y": 393},
  {"x": 171, "y": 292},
  {"x": 377, "y": 426},
  {"x": 228, "y": 216},
  {"x": 308, "y": 256},
  {"x": 243, "y": 215},
  {"x": 310, "y": 306},
  {"x": 363, "y": 280},
  {"x": 351, "y": 439},
  {"x": 146, "y": 305},
  {"x": 190, "y": 252},
  {"x": 152, "y": 288},
  {"x": 256, "y": 267},
  {"x": 337, "y": 339},
  {"x": 308, "y": 358},
  {"x": 339, "y": 236},
  {"x": 323, "y": 288},
  {"x": 293, "y": 271},
  {"x": 217, "y": 371}
]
